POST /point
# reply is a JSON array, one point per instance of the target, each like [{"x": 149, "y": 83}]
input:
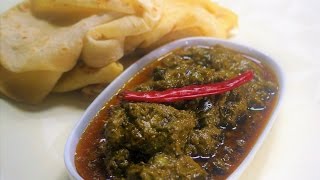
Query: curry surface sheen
[{"x": 203, "y": 138}]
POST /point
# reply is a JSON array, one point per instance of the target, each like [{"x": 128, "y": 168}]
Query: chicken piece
[
  {"x": 150, "y": 128},
  {"x": 204, "y": 141},
  {"x": 163, "y": 166}
]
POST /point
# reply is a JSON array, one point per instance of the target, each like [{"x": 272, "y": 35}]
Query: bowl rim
[{"x": 112, "y": 89}]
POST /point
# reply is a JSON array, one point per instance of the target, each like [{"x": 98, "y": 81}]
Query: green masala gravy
[{"x": 203, "y": 138}]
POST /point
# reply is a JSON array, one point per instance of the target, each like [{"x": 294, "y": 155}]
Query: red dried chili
[{"x": 188, "y": 92}]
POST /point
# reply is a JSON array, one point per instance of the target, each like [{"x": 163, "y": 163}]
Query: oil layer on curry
[{"x": 200, "y": 138}]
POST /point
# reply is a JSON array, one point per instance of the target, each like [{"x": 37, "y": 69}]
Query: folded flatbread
[
  {"x": 109, "y": 42},
  {"x": 35, "y": 52},
  {"x": 50, "y": 45}
]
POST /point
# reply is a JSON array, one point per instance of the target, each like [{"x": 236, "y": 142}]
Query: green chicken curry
[{"x": 202, "y": 138}]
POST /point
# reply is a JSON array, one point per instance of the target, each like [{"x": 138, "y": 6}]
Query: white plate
[{"x": 32, "y": 138}]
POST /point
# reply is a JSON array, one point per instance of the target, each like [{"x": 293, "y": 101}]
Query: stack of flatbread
[{"x": 64, "y": 45}]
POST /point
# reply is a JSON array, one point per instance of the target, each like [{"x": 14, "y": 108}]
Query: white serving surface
[{"x": 32, "y": 138}]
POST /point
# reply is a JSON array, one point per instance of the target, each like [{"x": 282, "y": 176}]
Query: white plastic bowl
[{"x": 118, "y": 83}]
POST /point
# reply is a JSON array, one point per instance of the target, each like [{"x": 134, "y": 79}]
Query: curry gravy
[{"x": 235, "y": 141}]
